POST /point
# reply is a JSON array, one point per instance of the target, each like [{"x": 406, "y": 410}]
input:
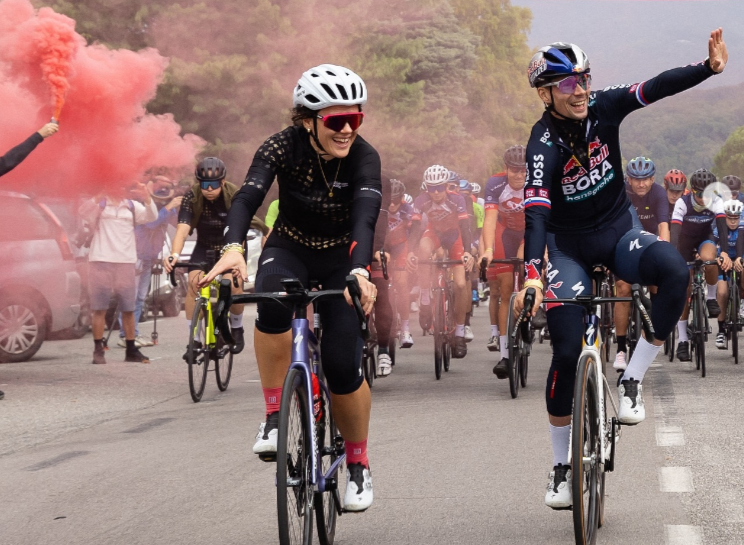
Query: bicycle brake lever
[
  {"x": 353, "y": 285},
  {"x": 172, "y": 274},
  {"x": 223, "y": 306}
]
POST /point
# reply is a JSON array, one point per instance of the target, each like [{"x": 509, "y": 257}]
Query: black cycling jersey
[
  {"x": 652, "y": 208},
  {"x": 566, "y": 196},
  {"x": 16, "y": 155},
  {"x": 211, "y": 227},
  {"x": 308, "y": 214}
]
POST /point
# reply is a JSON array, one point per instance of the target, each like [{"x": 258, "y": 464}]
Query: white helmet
[
  {"x": 733, "y": 207},
  {"x": 407, "y": 199},
  {"x": 436, "y": 175},
  {"x": 329, "y": 85},
  {"x": 476, "y": 188}
]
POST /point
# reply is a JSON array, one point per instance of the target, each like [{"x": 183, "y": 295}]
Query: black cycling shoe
[
  {"x": 683, "y": 351},
  {"x": 713, "y": 308},
  {"x": 501, "y": 369},
  {"x": 459, "y": 348},
  {"x": 197, "y": 344},
  {"x": 425, "y": 317},
  {"x": 237, "y": 334}
]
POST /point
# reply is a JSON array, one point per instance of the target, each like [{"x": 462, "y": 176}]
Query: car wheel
[{"x": 23, "y": 328}]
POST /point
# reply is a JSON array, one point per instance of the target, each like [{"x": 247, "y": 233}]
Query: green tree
[{"x": 730, "y": 160}]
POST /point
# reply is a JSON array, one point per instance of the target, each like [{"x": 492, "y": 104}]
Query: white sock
[
  {"x": 711, "y": 292},
  {"x": 494, "y": 331},
  {"x": 236, "y": 320},
  {"x": 404, "y": 326},
  {"x": 188, "y": 325},
  {"x": 682, "y": 331},
  {"x": 460, "y": 330},
  {"x": 504, "y": 342},
  {"x": 643, "y": 356},
  {"x": 425, "y": 297},
  {"x": 560, "y": 437}
]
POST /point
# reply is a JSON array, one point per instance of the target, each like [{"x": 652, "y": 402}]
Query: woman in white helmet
[
  {"x": 735, "y": 249},
  {"x": 329, "y": 200}
]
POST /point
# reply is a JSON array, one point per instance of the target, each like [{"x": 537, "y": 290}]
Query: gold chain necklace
[{"x": 330, "y": 187}]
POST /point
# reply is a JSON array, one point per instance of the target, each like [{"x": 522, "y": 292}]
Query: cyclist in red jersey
[{"x": 675, "y": 183}]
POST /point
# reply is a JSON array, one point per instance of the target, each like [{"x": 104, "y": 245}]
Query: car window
[{"x": 21, "y": 220}]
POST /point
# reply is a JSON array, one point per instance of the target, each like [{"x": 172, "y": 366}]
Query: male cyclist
[
  {"x": 448, "y": 227},
  {"x": 675, "y": 184},
  {"x": 576, "y": 203},
  {"x": 734, "y": 184},
  {"x": 734, "y": 247},
  {"x": 503, "y": 237},
  {"x": 692, "y": 224},
  {"x": 650, "y": 203}
]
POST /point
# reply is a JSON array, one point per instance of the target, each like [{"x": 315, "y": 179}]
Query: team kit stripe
[
  {"x": 678, "y": 222},
  {"x": 537, "y": 201},
  {"x": 639, "y": 94}
]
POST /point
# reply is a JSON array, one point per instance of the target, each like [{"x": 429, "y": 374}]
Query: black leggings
[{"x": 341, "y": 345}]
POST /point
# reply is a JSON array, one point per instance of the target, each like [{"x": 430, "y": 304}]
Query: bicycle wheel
[
  {"x": 294, "y": 499},
  {"x": 514, "y": 353},
  {"x": 634, "y": 329},
  {"x": 450, "y": 331},
  {"x": 673, "y": 343},
  {"x": 197, "y": 354},
  {"x": 223, "y": 365},
  {"x": 369, "y": 363},
  {"x": 523, "y": 370},
  {"x": 701, "y": 334},
  {"x": 586, "y": 476},
  {"x": 439, "y": 341},
  {"x": 331, "y": 447}
]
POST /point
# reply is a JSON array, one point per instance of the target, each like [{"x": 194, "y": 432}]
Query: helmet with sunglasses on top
[
  {"x": 732, "y": 182},
  {"x": 210, "y": 169},
  {"x": 640, "y": 168},
  {"x": 555, "y": 60},
  {"x": 701, "y": 179},
  {"x": 675, "y": 180},
  {"x": 436, "y": 175},
  {"x": 733, "y": 207}
]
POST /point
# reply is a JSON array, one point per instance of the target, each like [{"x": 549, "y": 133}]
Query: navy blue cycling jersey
[
  {"x": 652, "y": 208},
  {"x": 733, "y": 241},
  {"x": 564, "y": 196}
]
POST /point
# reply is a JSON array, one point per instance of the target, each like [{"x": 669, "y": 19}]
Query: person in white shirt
[{"x": 112, "y": 259}]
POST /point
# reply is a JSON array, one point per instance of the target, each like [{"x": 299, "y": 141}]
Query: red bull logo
[
  {"x": 594, "y": 145},
  {"x": 550, "y": 294},
  {"x": 532, "y": 269},
  {"x": 573, "y": 163}
]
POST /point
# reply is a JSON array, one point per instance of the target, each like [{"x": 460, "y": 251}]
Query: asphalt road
[{"x": 119, "y": 454}]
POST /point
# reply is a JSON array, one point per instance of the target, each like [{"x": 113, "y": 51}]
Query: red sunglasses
[{"x": 337, "y": 122}]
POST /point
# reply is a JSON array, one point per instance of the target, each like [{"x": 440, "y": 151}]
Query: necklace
[{"x": 330, "y": 187}]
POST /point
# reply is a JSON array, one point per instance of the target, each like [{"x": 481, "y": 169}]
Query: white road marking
[
  {"x": 669, "y": 436},
  {"x": 683, "y": 535},
  {"x": 675, "y": 479}
]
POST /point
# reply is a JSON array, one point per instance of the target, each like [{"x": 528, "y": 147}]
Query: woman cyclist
[{"x": 329, "y": 200}]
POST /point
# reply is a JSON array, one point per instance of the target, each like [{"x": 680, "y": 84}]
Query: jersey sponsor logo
[
  {"x": 573, "y": 163},
  {"x": 591, "y": 184},
  {"x": 530, "y": 193},
  {"x": 572, "y": 179},
  {"x": 532, "y": 269},
  {"x": 545, "y": 138},
  {"x": 538, "y": 164},
  {"x": 550, "y": 294},
  {"x": 543, "y": 193},
  {"x": 612, "y": 87},
  {"x": 536, "y": 68}
]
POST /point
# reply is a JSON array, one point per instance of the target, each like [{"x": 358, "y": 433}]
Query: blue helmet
[
  {"x": 454, "y": 177},
  {"x": 556, "y": 59},
  {"x": 640, "y": 167},
  {"x": 465, "y": 186}
]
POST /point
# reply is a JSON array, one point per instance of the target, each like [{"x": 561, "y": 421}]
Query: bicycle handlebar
[
  {"x": 700, "y": 263},
  {"x": 529, "y": 302},
  {"x": 383, "y": 262},
  {"x": 513, "y": 261}
]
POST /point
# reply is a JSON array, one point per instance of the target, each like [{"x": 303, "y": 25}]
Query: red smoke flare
[{"x": 107, "y": 140}]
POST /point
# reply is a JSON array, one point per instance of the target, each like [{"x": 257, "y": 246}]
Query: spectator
[
  {"x": 112, "y": 260},
  {"x": 150, "y": 238},
  {"x": 15, "y": 156}
]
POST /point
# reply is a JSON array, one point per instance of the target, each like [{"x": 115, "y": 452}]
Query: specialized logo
[
  {"x": 298, "y": 339},
  {"x": 635, "y": 244},
  {"x": 578, "y": 288},
  {"x": 268, "y": 261}
]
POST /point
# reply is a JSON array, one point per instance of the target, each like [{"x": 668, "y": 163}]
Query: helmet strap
[{"x": 314, "y": 134}]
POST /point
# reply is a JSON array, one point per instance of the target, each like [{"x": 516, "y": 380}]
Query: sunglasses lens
[
  {"x": 210, "y": 185},
  {"x": 436, "y": 188},
  {"x": 337, "y": 122},
  {"x": 568, "y": 85}
]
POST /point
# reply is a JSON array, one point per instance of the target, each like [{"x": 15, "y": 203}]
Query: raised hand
[{"x": 717, "y": 52}]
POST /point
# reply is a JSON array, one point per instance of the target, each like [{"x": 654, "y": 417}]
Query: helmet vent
[
  {"x": 330, "y": 73},
  {"x": 327, "y": 89},
  {"x": 342, "y": 91},
  {"x": 312, "y": 98}
]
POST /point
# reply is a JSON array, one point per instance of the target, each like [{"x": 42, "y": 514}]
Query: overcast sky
[{"x": 632, "y": 40}]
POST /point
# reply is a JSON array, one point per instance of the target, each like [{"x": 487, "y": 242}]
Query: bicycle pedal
[{"x": 268, "y": 457}]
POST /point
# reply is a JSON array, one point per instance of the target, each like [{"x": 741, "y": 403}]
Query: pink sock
[
  {"x": 356, "y": 453},
  {"x": 273, "y": 397}
]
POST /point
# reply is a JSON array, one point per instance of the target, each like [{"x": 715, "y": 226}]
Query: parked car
[{"x": 39, "y": 281}]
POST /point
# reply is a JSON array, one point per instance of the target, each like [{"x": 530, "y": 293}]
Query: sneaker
[
  {"x": 459, "y": 348},
  {"x": 501, "y": 369},
  {"x": 123, "y": 342},
  {"x": 683, "y": 351},
  {"x": 425, "y": 317},
  {"x": 469, "y": 334},
  {"x": 237, "y": 334},
  {"x": 267, "y": 435},
  {"x": 494, "y": 344},
  {"x": 99, "y": 356},
  {"x": 141, "y": 341},
  {"x": 721, "y": 340},
  {"x": 630, "y": 394},
  {"x": 406, "y": 340},
  {"x": 384, "y": 365},
  {"x": 358, "y": 495},
  {"x": 621, "y": 361},
  {"x": 713, "y": 308},
  {"x": 136, "y": 356},
  {"x": 559, "y": 494},
  {"x": 414, "y": 306}
]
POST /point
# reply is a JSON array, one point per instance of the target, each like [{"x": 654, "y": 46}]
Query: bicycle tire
[
  {"x": 635, "y": 328},
  {"x": 370, "y": 364},
  {"x": 329, "y": 439},
  {"x": 585, "y": 443},
  {"x": 523, "y": 370},
  {"x": 294, "y": 502},
  {"x": 438, "y": 334},
  {"x": 450, "y": 331},
  {"x": 514, "y": 353},
  {"x": 701, "y": 332},
  {"x": 197, "y": 357},
  {"x": 673, "y": 343},
  {"x": 733, "y": 319},
  {"x": 223, "y": 367}
]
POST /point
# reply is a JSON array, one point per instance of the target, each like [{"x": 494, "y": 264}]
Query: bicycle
[
  {"x": 594, "y": 436},
  {"x": 205, "y": 340},
  {"x": 443, "y": 309},
  {"x": 698, "y": 327},
  {"x": 733, "y": 322},
  {"x": 310, "y": 449},
  {"x": 520, "y": 338}
]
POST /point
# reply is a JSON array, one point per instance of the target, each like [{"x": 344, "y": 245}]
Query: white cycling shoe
[
  {"x": 630, "y": 395},
  {"x": 559, "y": 494},
  {"x": 469, "y": 336},
  {"x": 406, "y": 340},
  {"x": 266, "y": 438},
  {"x": 384, "y": 365},
  {"x": 621, "y": 361},
  {"x": 358, "y": 495}
]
